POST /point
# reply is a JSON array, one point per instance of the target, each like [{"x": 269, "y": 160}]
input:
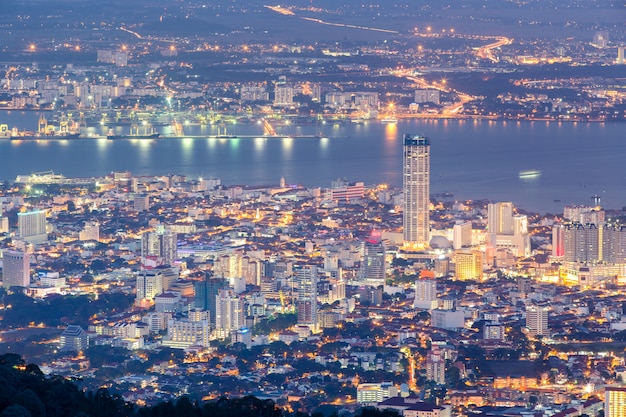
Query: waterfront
[{"x": 471, "y": 159}]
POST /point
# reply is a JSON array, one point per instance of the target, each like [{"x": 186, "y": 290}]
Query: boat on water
[
  {"x": 389, "y": 120},
  {"x": 37, "y": 136},
  {"x": 529, "y": 173},
  {"x": 148, "y": 136},
  {"x": 65, "y": 131}
]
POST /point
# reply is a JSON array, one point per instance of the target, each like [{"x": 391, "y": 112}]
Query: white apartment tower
[
  {"x": 15, "y": 269},
  {"x": 306, "y": 279},
  {"x": 230, "y": 312},
  {"x": 537, "y": 320},
  {"x": 416, "y": 186},
  {"x": 425, "y": 294},
  {"x": 31, "y": 226}
]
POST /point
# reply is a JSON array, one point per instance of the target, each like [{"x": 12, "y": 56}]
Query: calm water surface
[{"x": 470, "y": 159}]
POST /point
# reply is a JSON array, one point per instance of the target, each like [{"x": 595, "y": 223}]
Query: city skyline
[{"x": 312, "y": 208}]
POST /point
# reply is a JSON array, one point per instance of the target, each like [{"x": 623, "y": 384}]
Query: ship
[
  {"x": 68, "y": 129},
  {"x": 529, "y": 173},
  {"x": 38, "y": 136},
  {"x": 389, "y": 120},
  {"x": 148, "y": 136}
]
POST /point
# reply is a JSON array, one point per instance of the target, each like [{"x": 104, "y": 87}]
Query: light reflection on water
[{"x": 471, "y": 158}]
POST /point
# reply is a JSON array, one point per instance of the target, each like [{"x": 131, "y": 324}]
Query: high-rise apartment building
[
  {"x": 581, "y": 243},
  {"x": 31, "y": 226},
  {"x": 537, "y": 320},
  {"x": 230, "y": 312},
  {"x": 141, "y": 202},
  {"x": 425, "y": 294},
  {"x": 306, "y": 304},
  {"x": 416, "y": 186},
  {"x": 435, "y": 367},
  {"x": 462, "y": 234},
  {"x": 160, "y": 244},
  {"x": 614, "y": 244},
  {"x": 15, "y": 269},
  {"x": 615, "y": 402},
  {"x": 500, "y": 218},
  {"x": 558, "y": 241},
  {"x": 149, "y": 285},
  {"x": 506, "y": 230},
  {"x": 373, "y": 266}
]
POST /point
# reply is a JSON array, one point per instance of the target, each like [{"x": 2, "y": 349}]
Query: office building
[
  {"x": 416, "y": 187},
  {"x": 620, "y": 54},
  {"x": 306, "y": 303},
  {"x": 537, "y": 320},
  {"x": 373, "y": 266},
  {"x": 31, "y": 226},
  {"x": 468, "y": 265},
  {"x": 615, "y": 402},
  {"x": 345, "y": 191},
  {"x": 74, "y": 339},
  {"x": 15, "y": 269},
  {"x": 205, "y": 295},
  {"x": 372, "y": 393},
  {"x": 184, "y": 333}
]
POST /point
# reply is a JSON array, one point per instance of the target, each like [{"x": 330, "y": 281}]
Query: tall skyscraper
[
  {"x": 506, "y": 230},
  {"x": 416, "y": 186},
  {"x": 500, "y": 218},
  {"x": 306, "y": 304},
  {"x": 373, "y": 266},
  {"x": 205, "y": 295},
  {"x": 15, "y": 269},
  {"x": 31, "y": 226},
  {"x": 558, "y": 241},
  {"x": 581, "y": 243}
]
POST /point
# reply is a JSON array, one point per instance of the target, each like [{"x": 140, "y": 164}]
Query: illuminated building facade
[
  {"x": 469, "y": 265},
  {"x": 373, "y": 266},
  {"x": 31, "y": 226},
  {"x": 306, "y": 304},
  {"x": 416, "y": 187},
  {"x": 537, "y": 320},
  {"x": 615, "y": 402}
]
